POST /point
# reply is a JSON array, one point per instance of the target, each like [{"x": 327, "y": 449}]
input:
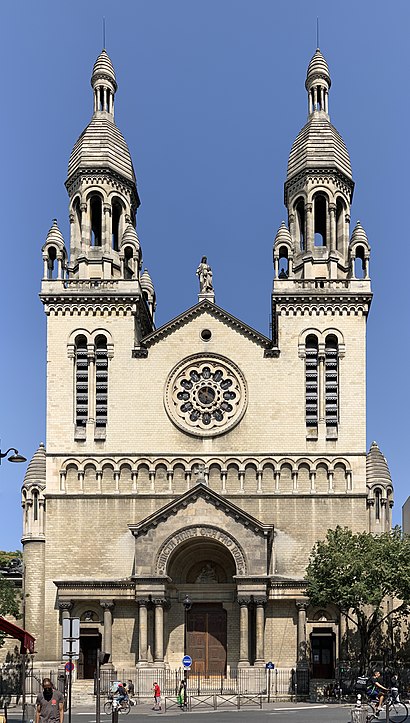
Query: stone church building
[{"x": 200, "y": 461}]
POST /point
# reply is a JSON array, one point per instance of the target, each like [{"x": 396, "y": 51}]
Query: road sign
[
  {"x": 71, "y": 638},
  {"x": 187, "y": 661},
  {"x": 270, "y": 665},
  {"x": 69, "y": 666},
  {"x": 71, "y": 649}
]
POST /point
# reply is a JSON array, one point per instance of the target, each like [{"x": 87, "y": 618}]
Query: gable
[{"x": 206, "y": 308}]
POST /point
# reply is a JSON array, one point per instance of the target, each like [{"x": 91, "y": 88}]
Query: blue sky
[{"x": 211, "y": 96}]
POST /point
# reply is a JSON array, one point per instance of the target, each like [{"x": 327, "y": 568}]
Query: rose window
[{"x": 206, "y": 395}]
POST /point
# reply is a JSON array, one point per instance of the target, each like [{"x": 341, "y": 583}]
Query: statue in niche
[
  {"x": 204, "y": 273},
  {"x": 207, "y": 574},
  {"x": 88, "y": 617}
]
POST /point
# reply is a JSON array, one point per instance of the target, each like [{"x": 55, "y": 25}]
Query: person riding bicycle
[
  {"x": 376, "y": 691},
  {"x": 119, "y": 693}
]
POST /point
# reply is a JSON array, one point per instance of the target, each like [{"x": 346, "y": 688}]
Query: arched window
[
  {"x": 340, "y": 223},
  {"x": 312, "y": 353},
  {"x": 51, "y": 262},
  {"x": 377, "y": 504},
  {"x": 320, "y": 216},
  {"x": 128, "y": 262},
  {"x": 35, "y": 505},
  {"x": 81, "y": 382},
  {"x": 77, "y": 213},
  {"x": 101, "y": 383},
  {"x": 300, "y": 223},
  {"x": 331, "y": 381},
  {"x": 359, "y": 263},
  {"x": 96, "y": 220},
  {"x": 116, "y": 218},
  {"x": 283, "y": 262}
]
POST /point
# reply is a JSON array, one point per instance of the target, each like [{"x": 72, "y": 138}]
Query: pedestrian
[
  {"x": 131, "y": 691},
  {"x": 182, "y": 694},
  {"x": 49, "y": 704},
  {"x": 157, "y": 697}
]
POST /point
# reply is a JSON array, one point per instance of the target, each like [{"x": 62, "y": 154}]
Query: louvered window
[
  {"x": 81, "y": 382},
  {"x": 331, "y": 382},
  {"x": 101, "y": 382},
  {"x": 311, "y": 381}
]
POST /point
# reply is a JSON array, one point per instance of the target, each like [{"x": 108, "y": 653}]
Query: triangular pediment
[
  {"x": 206, "y": 307},
  {"x": 200, "y": 492}
]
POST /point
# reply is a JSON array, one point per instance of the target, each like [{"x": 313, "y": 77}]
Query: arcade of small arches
[{"x": 162, "y": 476}]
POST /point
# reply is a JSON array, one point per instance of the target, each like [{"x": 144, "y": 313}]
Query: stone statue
[
  {"x": 207, "y": 574},
  {"x": 204, "y": 273}
]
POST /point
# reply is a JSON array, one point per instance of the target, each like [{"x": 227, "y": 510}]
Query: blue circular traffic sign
[
  {"x": 69, "y": 666},
  {"x": 187, "y": 661}
]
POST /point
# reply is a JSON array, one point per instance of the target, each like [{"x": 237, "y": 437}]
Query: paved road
[{"x": 288, "y": 712}]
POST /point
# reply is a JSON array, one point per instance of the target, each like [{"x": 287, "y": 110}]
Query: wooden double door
[{"x": 206, "y": 633}]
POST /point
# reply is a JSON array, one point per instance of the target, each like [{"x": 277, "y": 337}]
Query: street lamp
[
  {"x": 187, "y": 603},
  {"x": 16, "y": 457}
]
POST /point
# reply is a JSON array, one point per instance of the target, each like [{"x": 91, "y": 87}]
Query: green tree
[
  {"x": 10, "y": 595},
  {"x": 7, "y": 557},
  {"x": 358, "y": 572}
]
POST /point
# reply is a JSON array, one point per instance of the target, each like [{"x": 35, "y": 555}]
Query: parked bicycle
[{"x": 113, "y": 704}]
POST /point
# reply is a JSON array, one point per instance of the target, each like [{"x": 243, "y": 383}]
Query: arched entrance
[{"x": 203, "y": 569}]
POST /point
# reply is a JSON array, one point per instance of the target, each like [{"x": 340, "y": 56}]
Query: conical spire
[
  {"x": 36, "y": 470},
  {"x": 318, "y": 83},
  {"x": 104, "y": 84},
  {"x": 377, "y": 469}
]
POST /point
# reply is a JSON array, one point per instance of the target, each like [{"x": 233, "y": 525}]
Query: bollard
[
  {"x": 114, "y": 717},
  {"x": 387, "y": 711}
]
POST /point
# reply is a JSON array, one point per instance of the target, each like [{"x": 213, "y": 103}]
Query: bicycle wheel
[
  {"x": 370, "y": 714},
  {"x": 124, "y": 708},
  {"x": 108, "y": 707},
  {"x": 398, "y": 712}
]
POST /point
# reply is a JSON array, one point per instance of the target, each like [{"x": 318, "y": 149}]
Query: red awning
[{"x": 26, "y": 640}]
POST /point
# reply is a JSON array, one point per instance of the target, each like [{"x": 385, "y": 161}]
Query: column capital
[
  {"x": 160, "y": 602},
  {"x": 302, "y": 605},
  {"x": 242, "y": 600},
  {"x": 143, "y": 602},
  {"x": 260, "y": 601},
  {"x": 64, "y": 605},
  {"x": 107, "y": 604}
]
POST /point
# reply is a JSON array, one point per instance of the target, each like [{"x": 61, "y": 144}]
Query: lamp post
[
  {"x": 16, "y": 457},
  {"x": 187, "y": 603}
]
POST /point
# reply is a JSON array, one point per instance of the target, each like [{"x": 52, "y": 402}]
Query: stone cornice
[
  {"x": 317, "y": 172},
  {"x": 89, "y": 174},
  {"x": 200, "y": 491},
  {"x": 207, "y": 307}
]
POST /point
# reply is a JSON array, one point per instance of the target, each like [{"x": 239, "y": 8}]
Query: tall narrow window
[
  {"x": 35, "y": 505},
  {"x": 96, "y": 220},
  {"x": 311, "y": 381},
  {"x": 320, "y": 212},
  {"x": 300, "y": 223},
  {"x": 283, "y": 263},
  {"x": 101, "y": 385},
  {"x": 116, "y": 217},
  {"x": 331, "y": 381},
  {"x": 377, "y": 504},
  {"x": 81, "y": 382}
]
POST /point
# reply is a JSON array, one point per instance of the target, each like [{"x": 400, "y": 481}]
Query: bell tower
[
  {"x": 103, "y": 193},
  {"x": 321, "y": 291},
  {"x": 318, "y": 195}
]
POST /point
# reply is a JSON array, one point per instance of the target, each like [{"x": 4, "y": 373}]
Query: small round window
[{"x": 206, "y": 334}]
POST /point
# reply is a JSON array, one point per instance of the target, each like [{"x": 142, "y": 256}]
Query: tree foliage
[
  {"x": 359, "y": 573},
  {"x": 7, "y": 557}
]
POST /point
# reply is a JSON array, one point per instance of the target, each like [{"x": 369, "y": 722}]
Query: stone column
[
  {"x": 309, "y": 233},
  {"x": 143, "y": 632},
  {"x": 107, "y": 606},
  {"x": 159, "y": 632},
  {"x": 302, "y": 661},
  {"x": 260, "y": 631},
  {"x": 332, "y": 215},
  {"x": 65, "y": 608},
  {"x": 243, "y": 632}
]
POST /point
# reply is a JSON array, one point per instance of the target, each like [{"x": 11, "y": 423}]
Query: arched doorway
[{"x": 204, "y": 570}]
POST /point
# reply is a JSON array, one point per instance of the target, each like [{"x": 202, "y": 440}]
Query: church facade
[{"x": 189, "y": 469}]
